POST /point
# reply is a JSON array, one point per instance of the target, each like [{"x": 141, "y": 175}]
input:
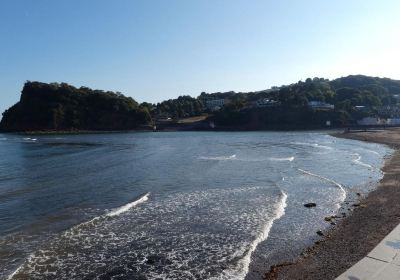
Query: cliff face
[{"x": 63, "y": 107}]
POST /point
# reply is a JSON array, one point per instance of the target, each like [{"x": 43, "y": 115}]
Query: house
[
  {"x": 265, "y": 102},
  {"x": 360, "y": 108},
  {"x": 392, "y": 111},
  {"x": 393, "y": 121},
  {"x": 215, "y": 104},
  {"x": 319, "y": 105},
  {"x": 371, "y": 121}
]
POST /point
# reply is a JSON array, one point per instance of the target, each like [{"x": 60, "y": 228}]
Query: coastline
[{"x": 354, "y": 236}]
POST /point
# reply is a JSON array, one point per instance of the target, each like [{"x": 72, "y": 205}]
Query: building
[
  {"x": 388, "y": 111},
  {"x": 371, "y": 121},
  {"x": 319, "y": 105},
  {"x": 215, "y": 104},
  {"x": 360, "y": 108},
  {"x": 394, "y": 121},
  {"x": 265, "y": 102}
]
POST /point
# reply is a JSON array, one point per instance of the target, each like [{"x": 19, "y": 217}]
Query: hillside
[
  {"x": 63, "y": 107},
  {"x": 352, "y": 97}
]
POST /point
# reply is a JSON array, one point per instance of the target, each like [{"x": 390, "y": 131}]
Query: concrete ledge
[{"x": 382, "y": 263}]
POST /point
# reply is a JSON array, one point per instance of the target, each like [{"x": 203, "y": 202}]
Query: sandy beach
[{"x": 356, "y": 235}]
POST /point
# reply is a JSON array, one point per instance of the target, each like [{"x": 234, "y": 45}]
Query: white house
[
  {"x": 215, "y": 104},
  {"x": 318, "y": 105},
  {"x": 394, "y": 121},
  {"x": 265, "y": 102},
  {"x": 371, "y": 121}
]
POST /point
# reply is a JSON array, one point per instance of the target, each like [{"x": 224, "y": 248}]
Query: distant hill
[
  {"x": 63, "y": 107},
  {"x": 346, "y": 94}
]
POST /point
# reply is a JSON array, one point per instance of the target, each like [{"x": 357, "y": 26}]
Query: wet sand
[{"x": 356, "y": 235}]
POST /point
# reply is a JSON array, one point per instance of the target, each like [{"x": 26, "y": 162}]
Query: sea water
[{"x": 179, "y": 205}]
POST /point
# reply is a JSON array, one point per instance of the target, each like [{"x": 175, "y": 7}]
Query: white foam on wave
[
  {"x": 72, "y": 230},
  {"x": 128, "y": 206},
  {"x": 232, "y": 157},
  {"x": 244, "y": 264},
  {"x": 11, "y": 276},
  {"x": 373, "y": 152},
  {"x": 29, "y": 139},
  {"x": 114, "y": 212},
  {"x": 359, "y": 162},
  {"x": 315, "y": 145},
  {"x": 282, "y": 159},
  {"x": 343, "y": 191}
]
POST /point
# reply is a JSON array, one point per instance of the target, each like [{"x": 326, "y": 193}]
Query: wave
[
  {"x": 29, "y": 139},
  {"x": 19, "y": 268},
  {"x": 75, "y": 229},
  {"x": 315, "y": 145},
  {"x": 343, "y": 191},
  {"x": 128, "y": 206},
  {"x": 373, "y": 152},
  {"x": 282, "y": 159},
  {"x": 112, "y": 213},
  {"x": 359, "y": 162},
  {"x": 244, "y": 263},
  {"x": 232, "y": 157}
]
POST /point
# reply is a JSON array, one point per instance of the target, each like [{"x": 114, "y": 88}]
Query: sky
[{"x": 156, "y": 50}]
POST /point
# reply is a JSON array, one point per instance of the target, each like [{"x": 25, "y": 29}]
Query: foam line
[
  {"x": 315, "y": 145},
  {"x": 232, "y": 157},
  {"x": 113, "y": 213},
  {"x": 328, "y": 180},
  {"x": 359, "y": 162},
  {"x": 11, "y": 276},
  {"x": 282, "y": 159},
  {"x": 244, "y": 263},
  {"x": 128, "y": 206},
  {"x": 279, "y": 212}
]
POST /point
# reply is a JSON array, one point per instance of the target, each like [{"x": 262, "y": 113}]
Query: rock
[
  {"x": 309, "y": 205},
  {"x": 320, "y": 233}
]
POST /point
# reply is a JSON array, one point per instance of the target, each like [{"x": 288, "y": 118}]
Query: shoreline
[{"x": 354, "y": 236}]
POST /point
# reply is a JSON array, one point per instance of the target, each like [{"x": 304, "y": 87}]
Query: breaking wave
[
  {"x": 315, "y": 145},
  {"x": 359, "y": 162},
  {"x": 244, "y": 263},
  {"x": 128, "y": 206},
  {"x": 232, "y": 157},
  {"x": 74, "y": 230},
  {"x": 29, "y": 139},
  {"x": 282, "y": 159},
  {"x": 186, "y": 236},
  {"x": 343, "y": 191}
]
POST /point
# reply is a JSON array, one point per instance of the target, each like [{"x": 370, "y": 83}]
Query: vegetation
[
  {"x": 347, "y": 94},
  {"x": 181, "y": 107},
  {"x": 63, "y": 107}
]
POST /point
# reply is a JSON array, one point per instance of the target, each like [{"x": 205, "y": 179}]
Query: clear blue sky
[{"x": 155, "y": 50}]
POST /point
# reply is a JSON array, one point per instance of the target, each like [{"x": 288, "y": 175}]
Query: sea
[{"x": 172, "y": 205}]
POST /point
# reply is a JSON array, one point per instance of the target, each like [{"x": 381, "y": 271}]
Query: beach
[{"x": 364, "y": 226}]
